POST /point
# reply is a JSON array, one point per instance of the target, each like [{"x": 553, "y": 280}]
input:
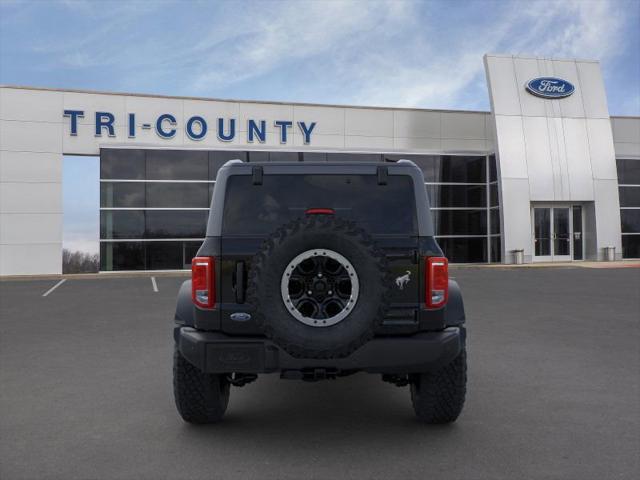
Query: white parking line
[
  {"x": 54, "y": 287},
  {"x": 154, "y": 284}
]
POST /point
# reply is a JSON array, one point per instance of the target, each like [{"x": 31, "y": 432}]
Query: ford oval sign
[{"x": 550, "y": 87}]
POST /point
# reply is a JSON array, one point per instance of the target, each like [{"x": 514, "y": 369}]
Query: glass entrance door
[
  {"x": 561, "y": 234},
  {"x": 542, "y": 233},
  {"x": 557, "y": 233}
]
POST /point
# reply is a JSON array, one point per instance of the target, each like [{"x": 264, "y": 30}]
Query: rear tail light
[
  {"x": 203, "y": 286},
  {"x": 436, "y": 281}
]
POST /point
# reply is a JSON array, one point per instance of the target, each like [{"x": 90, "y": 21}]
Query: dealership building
[{"x": 546, "y": 175}]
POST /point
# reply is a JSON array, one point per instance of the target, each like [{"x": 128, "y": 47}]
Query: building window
[
  {"x": 629, "y": 196},
  {"x": 443, "y": 196},
  {"x": 631, "y": 246},
  {"x": 169, "y": 255},
  {"x": 628, "y": 171},
  {"x": 284, "y": 156},
  {"x": 177, "y": 195},
  {"x": 154, "y": 204},
  {"x": 464, "y": 249},
  {"x": 629, "y": 192},
  {"x": 122, "y": 195},
  {"x": 460, "y": 222},
  {"x": 172, "y": 165},
  {"x": 122, "y": 164},
  {"x": 218, "y": 158}
]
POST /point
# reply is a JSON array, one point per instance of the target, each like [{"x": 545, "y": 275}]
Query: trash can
[
  {"x": 518, "y": 257},
  {"x": 610, "y": 253}
]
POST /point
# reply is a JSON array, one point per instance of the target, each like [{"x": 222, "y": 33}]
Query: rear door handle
[{"x": 240, "y": 282}]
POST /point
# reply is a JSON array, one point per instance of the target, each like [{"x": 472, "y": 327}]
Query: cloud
[
  {"x": 563, "y": 29},
  {"x": 392, "y": 53},
  {"x": 283, "y": 36},
  {"x": 389, "y": 55}
]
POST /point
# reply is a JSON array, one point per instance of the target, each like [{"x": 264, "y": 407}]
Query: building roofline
[
  {"x": 265, "y": 102},
  {"x": 541, "y": 57},
  {"x": 230, "y": 100}
]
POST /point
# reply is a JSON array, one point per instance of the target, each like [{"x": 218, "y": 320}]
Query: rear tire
[
  {"x": 200, "y": 397},
  {"x": 438, "y": 397}
]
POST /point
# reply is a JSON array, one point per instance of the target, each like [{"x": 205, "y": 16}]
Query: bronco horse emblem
[{"x": 403, "y": 280}]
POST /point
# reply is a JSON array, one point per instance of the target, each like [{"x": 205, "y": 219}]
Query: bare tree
[{"x": 79, "y": 262}]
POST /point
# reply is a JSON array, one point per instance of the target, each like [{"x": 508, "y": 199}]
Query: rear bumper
[{"x": 214, "y": 352}]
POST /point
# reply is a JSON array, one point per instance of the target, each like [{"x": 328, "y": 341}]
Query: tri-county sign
[
  {"x": 196, "y": 127},
  {"x": 550, "y": 87}
]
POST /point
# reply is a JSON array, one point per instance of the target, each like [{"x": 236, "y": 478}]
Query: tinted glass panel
[
  {"x": 122, "y": 195},
  {"x": 122, "y": 256},
  {"x": 260, "y": 209},
  {"x": 457, "y": 195},
  {"x": 464, "y": 250},
  {"x": 493, "y": 169},
  {"x": 561, "y": 232},
  {"x": 219, "y": 157},
  {"x": 177, "y": 165},
  {"x": 629, "y": 196},
  {"x": 258, "y": 156},
  {"x": 165, "y": 255},
  {"x": 354, "y": 157},
  {"x": 631, "y": 246},
  {"x": 542, "y": 231},
  {"x": 496, "y": 253},
  {"x": 178, "y": 195},
  {"x": 628, "y": 171},
  {"x": 426, "y": 163},
  {"x": 190, "y": 251},
  {"x": 121, "y": 224},
  {"x": 494, "y": 217},
  {"x": 314, "y": 156},
  {"x": 122, "y": 164},
  {"x": 630, "y": 221},
  {"x": 460, "y": 170},
  {"x": 493, "y": 195},
  {"x": 176, "y": 224},
  {"x": 284, "y": 156},
  {"x": 460, "y": 222}
]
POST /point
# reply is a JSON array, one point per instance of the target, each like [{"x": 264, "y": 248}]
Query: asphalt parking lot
[{"x": 554, "y": 390}]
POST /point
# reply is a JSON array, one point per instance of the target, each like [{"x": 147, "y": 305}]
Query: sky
[{"x": 385, "y": 53}]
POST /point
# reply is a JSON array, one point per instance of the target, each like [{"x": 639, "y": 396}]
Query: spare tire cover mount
[{"x": 320, "y": 287}]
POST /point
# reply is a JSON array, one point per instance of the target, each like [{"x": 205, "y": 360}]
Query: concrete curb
[
  {"x": 616, "y": 264},
  {"x": 96, "y": 276}
]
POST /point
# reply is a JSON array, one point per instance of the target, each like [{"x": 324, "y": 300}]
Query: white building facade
[{"x": 546, "y": 175}]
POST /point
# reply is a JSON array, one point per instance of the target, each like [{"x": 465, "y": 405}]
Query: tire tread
[
  {"x": 438, "y": 397},
  {"x": 200, "y": 397}
]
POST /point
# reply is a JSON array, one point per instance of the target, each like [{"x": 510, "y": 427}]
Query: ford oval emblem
[
  {"x": 240, "y": 316},
  {"x": 550, "y": 87}
]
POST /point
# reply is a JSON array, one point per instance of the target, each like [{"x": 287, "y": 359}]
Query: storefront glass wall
[
  {"x": 629, "y": 190},
  {"x": 154, "y": 203}
]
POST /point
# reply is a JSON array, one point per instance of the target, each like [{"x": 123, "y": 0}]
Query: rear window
[{"x": 260, "y": 209}]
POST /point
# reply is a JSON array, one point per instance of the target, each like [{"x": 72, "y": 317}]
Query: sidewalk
[
  {"x": 576, "y": 264},
  {"x": 101, "y": 275}
]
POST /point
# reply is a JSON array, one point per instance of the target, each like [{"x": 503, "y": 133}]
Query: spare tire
[{"x": 319, "y": 287}]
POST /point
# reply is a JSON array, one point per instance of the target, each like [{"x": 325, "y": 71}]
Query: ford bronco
[{"x": 317, "y": 271}]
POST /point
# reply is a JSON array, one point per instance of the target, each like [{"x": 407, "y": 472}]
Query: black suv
[{"x": 316, "y": 271}]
